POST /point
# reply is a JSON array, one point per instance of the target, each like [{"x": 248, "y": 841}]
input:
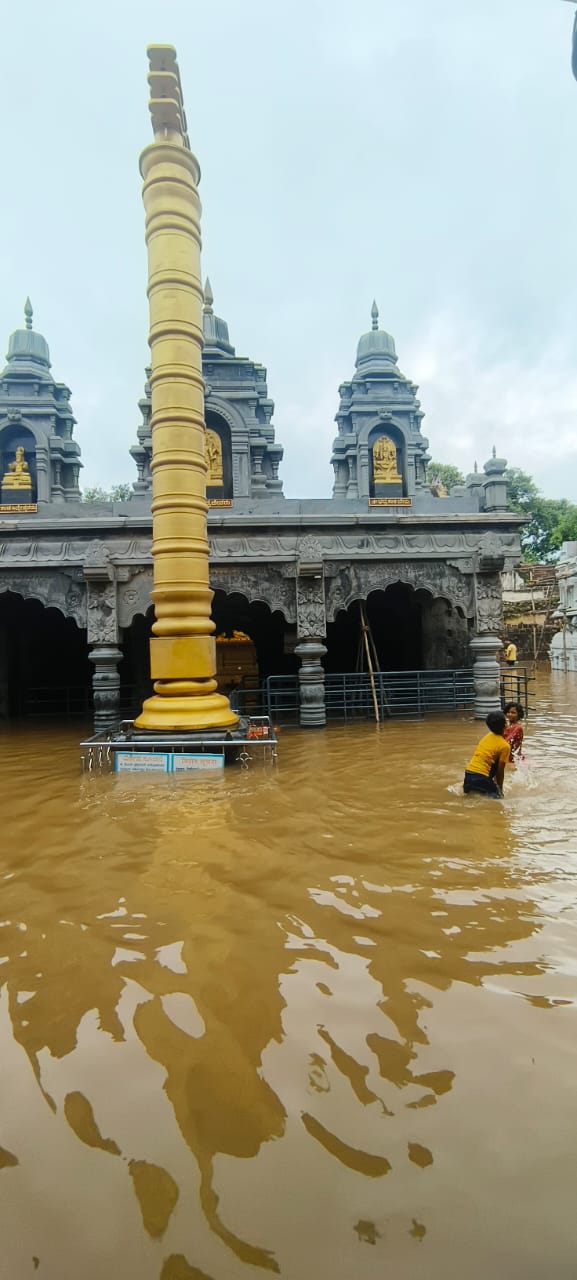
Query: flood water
[{"x": 316, "y": 1020}]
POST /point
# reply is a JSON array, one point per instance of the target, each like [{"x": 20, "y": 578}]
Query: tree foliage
[
  {"x": 445, "y": 473},
  {"x": 549, "y": 521},
  {"x": 118, "y": 493}
]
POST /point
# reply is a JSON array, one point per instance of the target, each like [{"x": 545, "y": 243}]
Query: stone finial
[
  {"x": 375, "y": 315},
  {"x": 28, "y": 313},
  {"x": 208, "y": 298},
  {"x": 476, "y": 468},
  {"x": 494, "y": 451}
]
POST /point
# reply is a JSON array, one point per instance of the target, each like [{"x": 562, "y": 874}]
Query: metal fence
[{"x": 348, "y": 696}]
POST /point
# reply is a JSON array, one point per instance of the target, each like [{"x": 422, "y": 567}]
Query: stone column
[
  {"x": 102, "y": 634},
  {"x": 311, "y": 627},
  {"x": 486, "y": 674},
  {"x": 312, "y": 683},
  {"x": 105, "y": 685}
]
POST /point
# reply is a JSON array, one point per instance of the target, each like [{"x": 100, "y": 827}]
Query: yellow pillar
[{"x": 182, "y": 648}]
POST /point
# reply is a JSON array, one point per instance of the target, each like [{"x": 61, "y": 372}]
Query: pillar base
[
  {"x": 105, "y": 685},
  {"x": 173, "y": 714},
  {"x": 312, "y": 683},
  {"x": 486, "y": 674}
]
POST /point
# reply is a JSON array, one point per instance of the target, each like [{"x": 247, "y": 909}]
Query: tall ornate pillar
[
  {"x": 311, "y": 629},
  {"x": 182, "y": 648}
]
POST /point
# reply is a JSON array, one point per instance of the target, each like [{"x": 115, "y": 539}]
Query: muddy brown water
[{"x": 316, "y": 1021}]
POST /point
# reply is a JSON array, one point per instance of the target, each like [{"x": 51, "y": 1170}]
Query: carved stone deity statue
[
  {"x": 385, "y": 469},
  {"x": 17, "y": 475},
  {"x": 213, "y": 457}
]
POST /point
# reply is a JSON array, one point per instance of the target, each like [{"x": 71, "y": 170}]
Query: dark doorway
[
  {"x": 44, "y": 667},
  {"x": 395, "y": 619},
  {"x": 411, "y": 630}
]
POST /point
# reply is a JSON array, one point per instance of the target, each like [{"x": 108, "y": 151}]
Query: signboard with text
[
  {"x": 390, "y": 502},
  {"x": 166, "y": 762}
]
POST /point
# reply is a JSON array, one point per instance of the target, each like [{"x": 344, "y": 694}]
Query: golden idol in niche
[
  {"x": 17, "y": 475},
  {"x": 213, "y": 458},
  {"x": 385, "y": 469}
]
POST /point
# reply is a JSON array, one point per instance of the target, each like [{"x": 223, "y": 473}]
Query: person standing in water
[
  {"x": 514, "y": 729},
  {"x": 511, "y": 654},
  {"x": 485, "y": 771}
]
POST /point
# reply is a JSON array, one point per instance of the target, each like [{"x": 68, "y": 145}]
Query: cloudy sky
[{"x": 423, "y": 153}]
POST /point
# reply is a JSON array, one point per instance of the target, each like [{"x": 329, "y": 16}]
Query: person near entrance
[
  {"x": 485, "y": 771},
  {"x": 511, "y": 654}
]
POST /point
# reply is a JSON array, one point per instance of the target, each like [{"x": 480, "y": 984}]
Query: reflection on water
[{"x": 317, "y": 1021}]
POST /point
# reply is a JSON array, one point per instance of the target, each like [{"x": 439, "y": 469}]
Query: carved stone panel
[
  {"x": 257, "y": 582},
  {"x": 63, "y": 591},
  {"x": 311, "y": 613},
  {"x": 489, "y": 604},
  {"x": 134, "y": 597},
  {"x": 102, "y": 618},
  {"x": 356, "y": 581}
]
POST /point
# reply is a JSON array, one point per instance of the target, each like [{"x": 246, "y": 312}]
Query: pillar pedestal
[
  {"x": 312, "y": 683},
  {"x": 486, "y": 675},
  {"x": 105, "y": 685}
]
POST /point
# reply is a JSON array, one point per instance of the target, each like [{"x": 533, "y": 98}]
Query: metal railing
[
  {"x": 515, "y": 686},
  {"x": 349, "y": 695}
]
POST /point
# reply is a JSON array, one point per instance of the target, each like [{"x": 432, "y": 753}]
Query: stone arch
[
  {"x": 412, "y": 628},
  {"x": 273, "y": 639},
  {"x": 60, "y": 591},
  {"x": 16, "y": 433},
  {"x": 258, "y": 584},
  {"x": 216, "y": 422},
  {"x": 440, "y": 580},
  {"x": 18, "y": 421},
  {"x": 44, "y": 666},
  {"x": 239, "y": 442},
  {"x": 382, "y": 426},
  {"x": 231, "y": 415}
]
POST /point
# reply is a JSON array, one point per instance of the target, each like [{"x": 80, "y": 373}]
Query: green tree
[
  {"x": 550, "y": 521},
  {"x": 118, "y": 493},
  {"x": 446, "y": 473}
]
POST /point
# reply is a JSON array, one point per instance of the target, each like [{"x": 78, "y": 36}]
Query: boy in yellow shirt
[{"x": 486, "y": 768}]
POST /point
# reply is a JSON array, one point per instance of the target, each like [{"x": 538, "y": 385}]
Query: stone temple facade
[{"x": 75, "y": 577}]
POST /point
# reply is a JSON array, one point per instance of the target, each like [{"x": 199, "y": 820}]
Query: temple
[{"x": 289, "y": 575}]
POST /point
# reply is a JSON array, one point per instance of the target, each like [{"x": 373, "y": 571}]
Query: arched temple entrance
[
  {"x": 411, "y": 631},
  {"x": 44, "y": 667},
  {"x": 267, "y": 650}
]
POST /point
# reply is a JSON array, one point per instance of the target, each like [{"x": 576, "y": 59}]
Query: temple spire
[
  {"x": 208, "y": 298},
  {"x": 375, "y": 315},
  {"x": 28, "y": 313}
]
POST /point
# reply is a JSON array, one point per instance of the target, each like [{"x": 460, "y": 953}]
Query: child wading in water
[
  {"x": 486, "y": 768},
  {"x": 514, "y": 732}
]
